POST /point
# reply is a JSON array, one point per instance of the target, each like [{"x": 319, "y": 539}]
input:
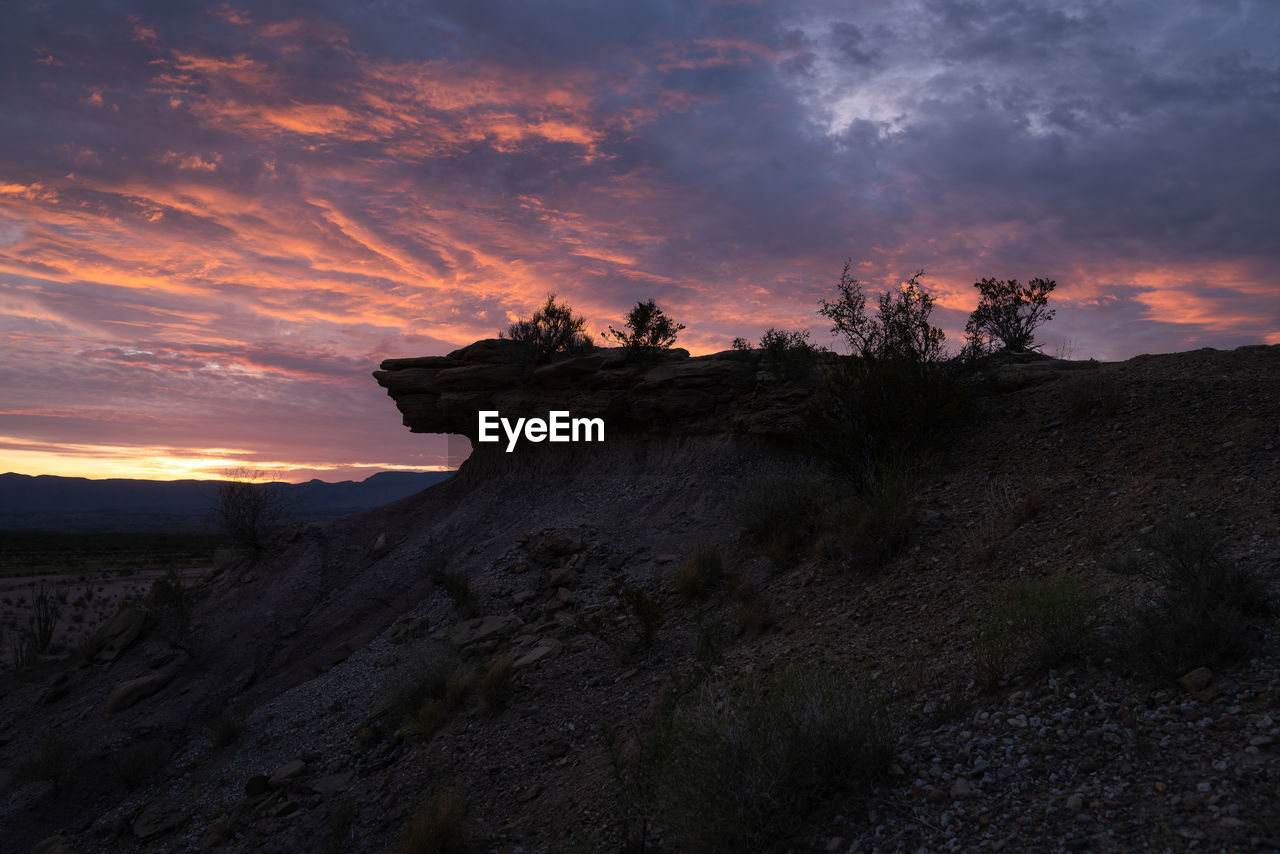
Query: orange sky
[{"x": 214, "y": 224}]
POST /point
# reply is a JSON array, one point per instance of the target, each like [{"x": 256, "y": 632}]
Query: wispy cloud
[{"x": 214, "y": 223}]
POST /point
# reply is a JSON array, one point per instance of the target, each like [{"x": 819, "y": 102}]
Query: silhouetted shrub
[
  {"x": 894, "y": 394},
  {"x": 439, "y": 827},
  {"x": 737, "y": 767},
  {"x": 249, "y": 510},
  {"x": 868, "y": 410},
  {"x": 1035, "y": 623},
  {"x": 648, "y": 331},
  {"x": 787, "y": 353},
  {"x": 551, "y": 331},
  {"x": 899, "y": 330},
  {"x": 1008, "y": 313}
]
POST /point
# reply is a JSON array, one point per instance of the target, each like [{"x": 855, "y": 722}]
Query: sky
[{"x": 215, "y": 220}]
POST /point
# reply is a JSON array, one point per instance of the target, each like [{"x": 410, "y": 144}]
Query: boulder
[
  {"x": 544, "y": 650},
  {"x": 286, "y": 772},
  {"x": 127, "y": 694},
  {"x": 157, "y": 817}
]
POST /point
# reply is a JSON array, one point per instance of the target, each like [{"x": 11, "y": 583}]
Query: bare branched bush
[{"x": 249, "y": 509}]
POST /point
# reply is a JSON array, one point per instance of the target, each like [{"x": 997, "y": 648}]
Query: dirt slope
[{"x": 1060, "y": 468}]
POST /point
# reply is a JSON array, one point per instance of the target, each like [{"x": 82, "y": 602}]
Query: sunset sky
[{"x": 215, "y": 220}]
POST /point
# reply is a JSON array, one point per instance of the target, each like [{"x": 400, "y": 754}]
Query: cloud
[{"x": 208, "y": 216}]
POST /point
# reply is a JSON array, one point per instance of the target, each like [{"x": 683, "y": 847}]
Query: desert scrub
[
  {"x": 54, "y": 760},
  {"x": 700, "y": 572},
  {"x": 1203, "y": 605},
  {"x": 780, "y": 508},
  {"x": 1002, "y": 511},
  {"x": 439, "y": 826},
  {"x": 736, "y": 767},
  {"x": 1033, "y": 624},
  {"x": 870, "y": 527},
  {"x": 32, "y": 642},
  {"x": 428, "y": 690},
  {"x": 751, "y": 607},
  {"x": 1093, "y": 392},
  {"x": 135, "y": 764},
  {"x": 458, "y": 586}
]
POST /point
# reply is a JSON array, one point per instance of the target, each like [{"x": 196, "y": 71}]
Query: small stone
[
  {"x": 1075, "y": 803},
  {"x": 130, "y": 693},
  {"x": 961, "y": 789},
  {"x": 835, "y": 843}
]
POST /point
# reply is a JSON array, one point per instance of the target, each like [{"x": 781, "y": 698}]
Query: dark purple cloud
[{"x": 215, "y": 221}]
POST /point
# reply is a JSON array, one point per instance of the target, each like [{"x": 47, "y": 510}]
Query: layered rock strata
[{"x": 670, "y": 392}]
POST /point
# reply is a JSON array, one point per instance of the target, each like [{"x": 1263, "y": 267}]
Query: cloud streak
[{"x": 213, "y": 224}]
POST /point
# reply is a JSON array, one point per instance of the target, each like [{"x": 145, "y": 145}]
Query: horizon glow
[{"x": 214, "y": 223}]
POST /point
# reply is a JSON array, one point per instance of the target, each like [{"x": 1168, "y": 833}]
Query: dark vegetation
[
  {"x": 741, "y": 762},
  {"x": 1008, "y": 315},
  {"x": 648, "y": 330},
  {"x": 50, "y": 552},
  {"x": 551, "y": 331},
  {"x": 736, "y": 766},
  {"x": 1197, "y": 606},
  {"x": 250, "y": 511}
]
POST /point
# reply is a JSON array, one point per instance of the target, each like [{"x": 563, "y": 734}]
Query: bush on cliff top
[{"x": 553, "y": 330}]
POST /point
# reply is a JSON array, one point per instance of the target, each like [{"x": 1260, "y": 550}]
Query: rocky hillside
[{"x": 550, "y": 651}]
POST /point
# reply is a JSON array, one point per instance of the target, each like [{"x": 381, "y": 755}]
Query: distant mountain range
[{"x": 48, "y": 502}]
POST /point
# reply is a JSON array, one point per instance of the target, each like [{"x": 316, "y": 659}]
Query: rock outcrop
[{"x": 729, "y": 392}]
